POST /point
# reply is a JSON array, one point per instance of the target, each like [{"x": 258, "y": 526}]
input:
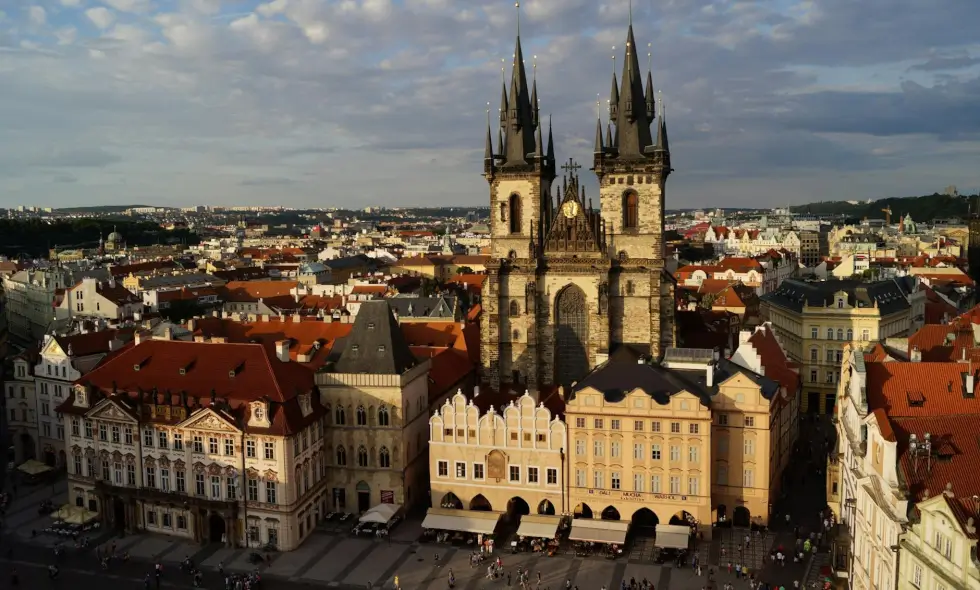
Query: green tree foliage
[
  {"x": 924, "y": 208},
  {"x": 34, "y": 237},
  {"x": 182, "y": 310}
]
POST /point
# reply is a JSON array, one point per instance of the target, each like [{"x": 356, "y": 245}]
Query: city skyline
[{"x": 307, "y": 103}]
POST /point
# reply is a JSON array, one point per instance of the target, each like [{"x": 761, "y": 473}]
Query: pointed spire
[
  {"x": 504, "y": 107},
  {"x": 488, "y": 148},
  {"x": 538, "y": 144},
  {"x": 634, "y": 139},
  {"x": 598, "y": 148},
  {"x": 519, "y": 132},
  {"x": 609, "y": 137},
  {"x": 614, "y": 100},
  {"x": 551, "y": 144},
  {"x": 534, "y": 102},
  {"x": 500, "y": 142},
  {"x": 651, "y": 99}
]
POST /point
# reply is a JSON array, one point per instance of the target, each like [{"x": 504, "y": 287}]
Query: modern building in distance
[{"x": 814, "y": 320}]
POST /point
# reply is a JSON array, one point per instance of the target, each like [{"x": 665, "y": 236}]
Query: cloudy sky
[{"x": 383, "y": 102}]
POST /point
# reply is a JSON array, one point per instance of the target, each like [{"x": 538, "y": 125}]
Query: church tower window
[
  {"x": 630, "y": 210},
  {"x": 503, "y": 212},
  {"x": 515, "y": 309},
  {"x": 515, "y": 213}
]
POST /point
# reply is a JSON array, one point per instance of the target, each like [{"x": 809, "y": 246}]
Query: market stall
[{"x": 461, "y": 521}]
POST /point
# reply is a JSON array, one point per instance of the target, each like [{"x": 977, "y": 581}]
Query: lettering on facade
[
  {"x": 638, "y": 496},
  {"x": 497, "y": 465}
]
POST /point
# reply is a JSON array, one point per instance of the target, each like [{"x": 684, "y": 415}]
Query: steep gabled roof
[{"x": 375, "y": 344}]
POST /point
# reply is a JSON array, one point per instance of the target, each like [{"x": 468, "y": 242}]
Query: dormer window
[{"x": 840, "y": 303}]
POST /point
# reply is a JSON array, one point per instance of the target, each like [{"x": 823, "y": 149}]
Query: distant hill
[{"x": 924, "y": 208}]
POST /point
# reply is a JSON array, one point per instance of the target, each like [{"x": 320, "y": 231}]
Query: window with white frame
[
  {"x": 917, "y": 575},
  {"x": 552, "y": 476},
  {"x": 675, "y": 453},
  {"x": 675, "y": 484},
  {"x": 655, "y": 452},
  {"x": 460, "y": 470},
  {"x": 638, "y": 482},
  {"x": 532, "y": 475},
  {"x": 479, "y": 471},
  {"x": 692, "y": 486},
  {"x": 579, "y": 448},
  {"x": 747, "y": 478},
  {"x": 614, "y": 449},
  {"x": 597, "y": 447},
  {"x": 514, "y": 472},
  {"x": 580, "y": 478},
  {"x": 598, "y": 478},
  {"x": 749, "y": 447},
  {"x": 638, "y": 451},
  {"x": 615, "y": 480},
  {"x": 655, "y": 484},
  {"x": 693, "y": 454},
  {"x": 943, "y": 544}
]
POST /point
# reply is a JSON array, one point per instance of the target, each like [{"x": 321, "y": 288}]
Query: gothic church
[{"x": 568, "y": 283}]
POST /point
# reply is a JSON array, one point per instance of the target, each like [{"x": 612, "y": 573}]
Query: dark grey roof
[
  {"x": 441, "y": 306},
  {"x": 890, "y": 295},
  {"x": 375, "y": 344},
  {"x": 627, "y": 370},
  {"x": 356, "y": 261},
  {"x": 179, "y": 280}
]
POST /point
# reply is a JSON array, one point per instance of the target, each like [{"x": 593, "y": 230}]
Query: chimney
[
  {"x": 137, "y": 316},
  {"x": 709, "y": 374},
  {"x": 139, "y": 337},
  {"x": 168, "y": 333},
  {"x": 476, "y": 391},
  {"x": 970, "y": 384},
  {"x": 297, "y": 318},
  {"x": 114, "y": 344},
  {"x": 191, "y": 324},
  {"x": 282, "y": 350},
  {"x": 916, "y": 356}
]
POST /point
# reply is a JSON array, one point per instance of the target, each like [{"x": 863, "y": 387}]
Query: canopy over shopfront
[
  {"x": 74, "y": 514},
  {"x": 539, "y": 526},
  {"x": 32, "y": 467},
  {"x": 381, "y": 514},
  {"x": 461, "y": 521},
  {"x": 599, "y": 531},
  {"x": 673, "y": 536}
]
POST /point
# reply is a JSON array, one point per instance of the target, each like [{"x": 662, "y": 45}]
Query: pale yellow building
[
  {"x": 499, "y": 461},
  {"x": 815, "y": 320},
  {"x": 640, "y": 444}
]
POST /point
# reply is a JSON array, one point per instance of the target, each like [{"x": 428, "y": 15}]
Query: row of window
[
  {"x": 360, "y": 416},
  {"x": 165, "y": 440},
  {"x": 514, "y": 435},
  {"x": 533, "y": 474},
  {"x": 638, "y": 425},
  {"x": 214, "y": 487},
  {"x": 640, "y": 454},
  {"x": 842, "y": 334},
  {"x": 832, "y": 377},
  {"x": 615, "y": 482},
  {"x": 363, "y": 458}
]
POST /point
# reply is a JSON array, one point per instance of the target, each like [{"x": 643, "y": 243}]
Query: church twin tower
[{"x": 568, "y": 284}]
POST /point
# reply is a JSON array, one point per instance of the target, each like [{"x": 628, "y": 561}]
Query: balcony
[{"x": 145, "y": 494}]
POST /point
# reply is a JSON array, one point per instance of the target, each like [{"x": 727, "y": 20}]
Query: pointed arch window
[
  {"x": 503, "y": 212},
  {"x": 515, "y": 308},
  {"x": 514, "y": 204},
  {"x": 631, "y": 206},
  {"x": 340, "y": 416},
  {"x": 361, "y": 416},
  {"x": 383, "y": 416},
  {"x": 341, "y": 456},
  {"x": 384, "y": 457},
  {"x": 362, "y": 456}
]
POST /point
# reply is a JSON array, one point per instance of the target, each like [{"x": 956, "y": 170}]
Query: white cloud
[
  {"x": 101, "y": 17},
  {"x": 37, "y": 15},
  {"x": 272, "y": 8},
  {"x": 129, "y": 5},
  {"x": 66, "y": 35},
  {"x": 71, "y": 3}
]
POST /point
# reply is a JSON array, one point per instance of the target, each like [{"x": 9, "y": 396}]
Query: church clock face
[{"x": 570, "y": 209}]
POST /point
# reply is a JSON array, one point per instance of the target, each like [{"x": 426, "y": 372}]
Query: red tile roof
[
  {"x": 740, "y": 265},
  {"x": 252, "y": 291},
  {"x": 955, "y": 461},
  {"x": 472, "y": 282},
  {"x": 304, "y": 336},
  {"x": 906, "y": 390},
  {"x": 93, "y": 342},
  {"x": 944, "y": 343},
  {"x": 237, "y": 373},
  {"x": 774, "y": 361},
  {"x": 369, "y": 290},
  {"x": 124, "y": 270}
]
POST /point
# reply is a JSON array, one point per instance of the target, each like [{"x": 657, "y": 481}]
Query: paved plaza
[{"x": 332, "y": 557}]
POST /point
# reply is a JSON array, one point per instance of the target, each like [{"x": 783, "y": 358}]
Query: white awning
[
  {"x": 672, "y": 536},
  {"x": 381, "y": 513},
  {"x": 462, "y": 521},
  {"x": 538, "y": 526},
  {"x": 599, "y": 531}
]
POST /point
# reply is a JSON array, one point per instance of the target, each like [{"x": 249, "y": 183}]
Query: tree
[
  {"x": 182, "y": 310},
  {"x": 464, "y": 270},
  {"x": 708, "y": 300}
]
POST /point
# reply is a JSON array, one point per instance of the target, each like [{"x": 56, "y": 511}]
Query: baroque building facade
[
  {"x": 563, "y": 275},
  {"x": 208, "y": 441}
]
